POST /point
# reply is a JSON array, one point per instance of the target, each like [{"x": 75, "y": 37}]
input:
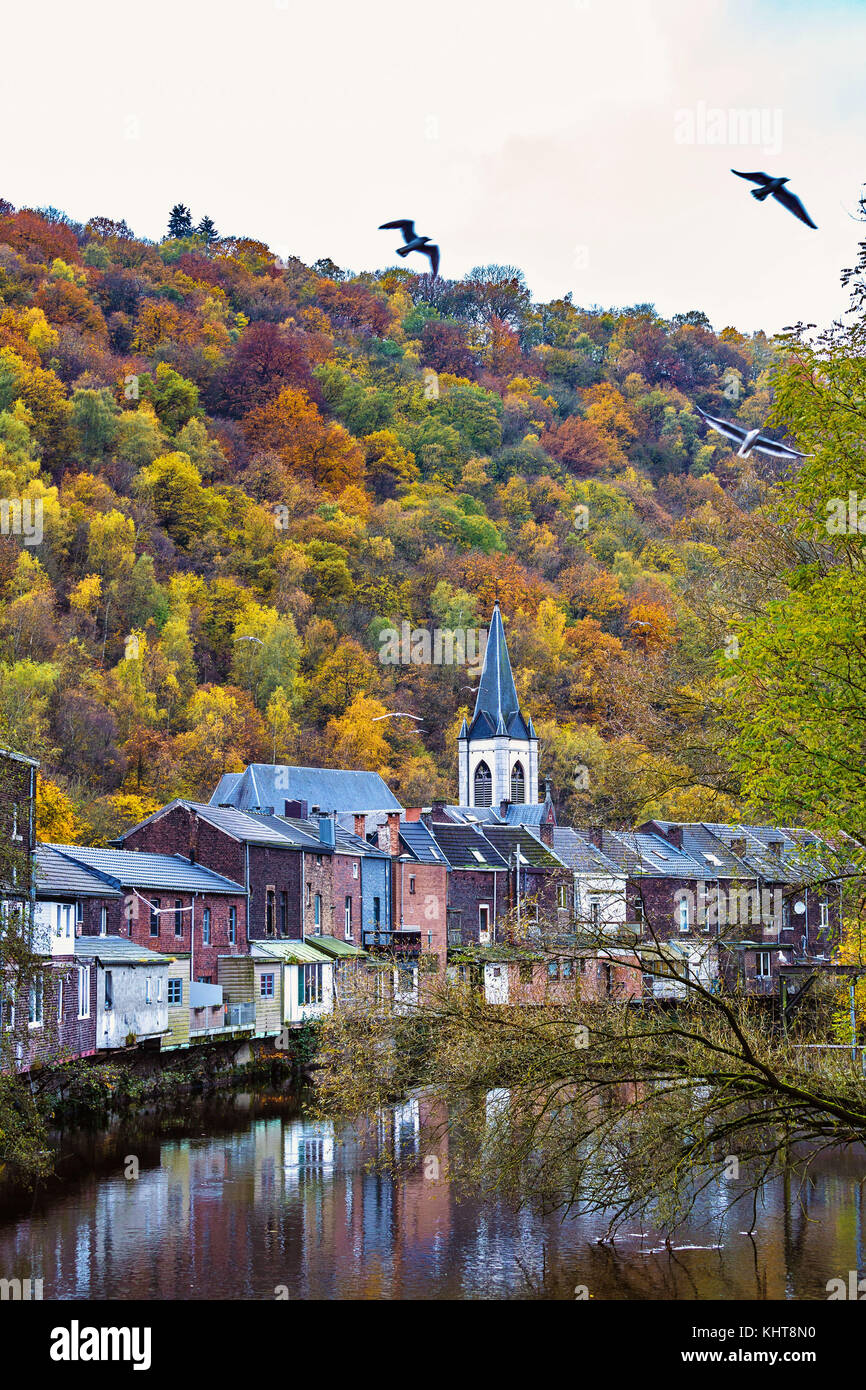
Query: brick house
[{"x": 478, "y": 890}]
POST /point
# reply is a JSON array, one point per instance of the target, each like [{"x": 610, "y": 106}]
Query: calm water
[{"x": 250, "y": 1195}]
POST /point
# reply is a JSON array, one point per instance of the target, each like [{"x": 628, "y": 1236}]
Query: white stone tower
[{"x": 498, "y": 752}]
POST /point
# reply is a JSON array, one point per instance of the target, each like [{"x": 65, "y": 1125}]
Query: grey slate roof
[
  {"x": 268, "y": 786},
  {"x": 508, "y": 838},
  {"x": 116, "y": 950},
  {"x": 59, "y": 877},
  {"x": 581, "y": 855},
  {"x": 461, "y": 845},
  {"x": 642, "y": 854},
  {"x": 420, "y": 843},
  {"x": 135, "y": 869}
]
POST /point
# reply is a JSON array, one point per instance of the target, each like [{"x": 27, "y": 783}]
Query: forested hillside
[{"x": 249, "y": 468}]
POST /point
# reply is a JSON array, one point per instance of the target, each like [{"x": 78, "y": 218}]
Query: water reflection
[{"x": 261, "y": 1201}]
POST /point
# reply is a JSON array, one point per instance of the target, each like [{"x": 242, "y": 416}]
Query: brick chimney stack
[
  {"x": 394, "y": 833},
  {"x": 361, "y": 826}
]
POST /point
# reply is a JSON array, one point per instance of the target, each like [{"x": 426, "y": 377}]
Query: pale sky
[{"x": 569, "y": 137}]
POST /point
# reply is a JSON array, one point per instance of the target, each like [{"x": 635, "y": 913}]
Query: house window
[
  {"x": 518, "y": 784},
  {"x": 175, "y": 991},
  {"x": 109, "y": 990},
  {"x": 377, "y": 912},
  {"x": 317, "y": 915},
  {"x": 553, "y": 970},
  {"x": 484, "y": 922},
  {"x": 824, "y": 910},
  {"x": 103, "y": 920},
  {"x": 639, "y": 916},
  {"x": 154, "y": 917},
  {"x": 309, "y": 895},
  {"x": 60, "y": 999},
  {"x": 233, "y": 925},
  {"x": 319, "y": 860},
  {"x": 348, "y": 916},
  {"x": 159, "y": 989},
  {"x": 412, "y": 885},
  {"x": 205, "y": 927},
  {"x": 79, "y": 912},
  {"x": 483, "y": 784},
  {"x": 37, "y": 1002},
  {"x": 16, "y": 834},
  {"x": 683, "y": 914},
  {"x": 595, "y": 913},
  {"x": 284, "y": 913},
  {"x": 567, "y": 969},
  {"x": 562, "y": 895},
  {"x": 354, "y": 868},
  {"x": 178, "y": 917},
  {"x": 762, "y": 965},
  {"x": 266, "y": 986},
  {"x": 311, "y": 984},
  {"x": 148, "y": 989},
  {"x": 270, "y": 910},
  {"x": 84, "y": 991}
]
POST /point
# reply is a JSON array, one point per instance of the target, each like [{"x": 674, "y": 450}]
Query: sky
[{"x": 588, "y": 142}]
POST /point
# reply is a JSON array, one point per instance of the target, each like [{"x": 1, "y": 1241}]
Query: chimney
[
  {"x": 193, "y": 837},
  {"x": 413, "y": 813},
  {"x": 360, "y": 826},
  {"x": 546, "y": 832},
  {"x": 594, "y": 834},
  {"x": 327, "y": 831},
  {"x": 298, "y": 810},
  {"x": 394, "y": 833},
  {"x": 438, "y": 812},
  {"x": 503, "y": 808}
]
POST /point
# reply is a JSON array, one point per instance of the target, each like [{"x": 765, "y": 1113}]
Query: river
[{"x": 249, "y": 1197}]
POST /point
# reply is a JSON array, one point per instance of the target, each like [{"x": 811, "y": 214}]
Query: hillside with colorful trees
[{"x": 248, "y": 468}]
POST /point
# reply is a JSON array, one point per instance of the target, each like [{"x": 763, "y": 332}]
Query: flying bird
[
  {"x": 414, "y": 242},
  {"x": 747, "y": 440},
  {"x": 775, "y": 188}
]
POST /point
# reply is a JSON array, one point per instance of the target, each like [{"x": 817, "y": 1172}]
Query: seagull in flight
[
  {"x": 414, "y": 242},
  {"x": 750, "y": 439},
  {"x": 775, "y": 187}
]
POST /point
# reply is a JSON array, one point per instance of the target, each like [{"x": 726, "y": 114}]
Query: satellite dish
[{"x": 800, "y": 908}]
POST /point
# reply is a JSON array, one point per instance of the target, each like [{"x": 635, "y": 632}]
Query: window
[
  {"x": 824, "y": 909},
  {"x": 526, "y": 973},
  {"x": 319, "y": 860},
  {"x": 763, "y": 968},
  {"x": 518, "y": 784},
  {"x": 484, "y": 922},
  {"x": 16, "y": 834},
  {"x": 284, "y": 913},
  {"x": 109, "y": 990},
  {"x": 84, "y": 991},
  {"x": 103, "y": 921},
  {"x": 266, "y": 986},
  {"x": 270, "y": 911},
  {"x": 595, "y": 912},
  {"x": 683, "y": 914},
  {"x": 562, "y": 895},
  {"x": 233, "y": 925},
  {"x": 354, "y": 868},
  {"x": 377, "y": 912},
  {"x": 310, "y": 984},
  {"x": 553, "y": 970},
  {"x": 79, "y": 912},
  {"x": 317, "y": 915},
  {"x": 175, "y": 992},
  {"x": 483, "y": 784},
  {"x": 178, "y": 917},
  {"x": 567, "y": 969},
  {"x": 37, "y": 1001},
  {"x": 205, "y": 927},
  {"x": 348, "y": 916},
  {"x": 159, "y": 989},
  {"x": 148, "y": 989},
  {"x": 412, "y": 885},
  {"x": 154, "y": 917}
]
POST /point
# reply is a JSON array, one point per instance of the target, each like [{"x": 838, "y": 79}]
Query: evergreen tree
[
  {"x": 207, "y": 229},
  {"x": 179, "y": 221}
]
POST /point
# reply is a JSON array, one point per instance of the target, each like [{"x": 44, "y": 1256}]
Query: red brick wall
[
  {"x": 426, "y": 907},
  {"x": 345, "y": 885}
]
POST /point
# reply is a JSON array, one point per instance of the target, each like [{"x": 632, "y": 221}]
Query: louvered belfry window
[{"x": 483, "y": 785}]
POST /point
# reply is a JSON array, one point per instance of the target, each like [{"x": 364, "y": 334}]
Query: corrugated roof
[
  {"x": 291, "y": 952},
  {"x": 270, "y": 786},
  {"x": 138, "y": 869},
  {"x": 57, "y": 876},
  {"x": 333, "y": 946},
  {"x": 116, "y": 950}
]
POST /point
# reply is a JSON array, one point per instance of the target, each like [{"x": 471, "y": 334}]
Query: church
[{"x": 498, "y": 751}]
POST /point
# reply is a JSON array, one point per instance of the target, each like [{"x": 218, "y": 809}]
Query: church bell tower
[{"x": 498, "y": 752}]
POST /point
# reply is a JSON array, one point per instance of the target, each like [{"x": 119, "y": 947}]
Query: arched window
[
  {"x": 518, "y": 784},
  {"x": 483, "y": 786}
]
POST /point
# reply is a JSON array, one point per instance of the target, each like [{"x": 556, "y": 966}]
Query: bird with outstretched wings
[
  {"x": 749, "y": 439},
  {"x": 413, "y": 242},
  {"x": 772, "y": 187}
]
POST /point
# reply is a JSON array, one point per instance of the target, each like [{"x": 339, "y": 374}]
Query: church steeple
[{"x": 498, "y": 751}]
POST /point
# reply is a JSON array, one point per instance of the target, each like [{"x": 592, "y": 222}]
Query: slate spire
[{"x": 497, "y": 696}]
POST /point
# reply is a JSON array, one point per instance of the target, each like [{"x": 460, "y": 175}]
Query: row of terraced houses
[{"x": 254, "y": 912}]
